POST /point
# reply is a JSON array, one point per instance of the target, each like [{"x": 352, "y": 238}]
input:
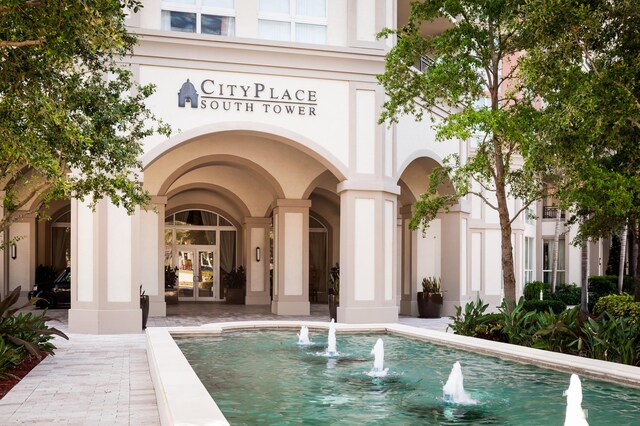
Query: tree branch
[
  {"x": 483, "y": 198},
  {"x": 22, "y": 43}
]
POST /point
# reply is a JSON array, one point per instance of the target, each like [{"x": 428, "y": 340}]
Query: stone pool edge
[{"x": 183, "y": 400}]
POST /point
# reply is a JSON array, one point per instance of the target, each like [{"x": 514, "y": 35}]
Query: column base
[
  {"x": 290, "y": 308},
  {"x": 112, "y": 321},
  {"x": 260, "y": 299},
  {"x": 157, "y": 308},
  {"x": 373, "y": 315},
  {"x": 409, "y": 307}
]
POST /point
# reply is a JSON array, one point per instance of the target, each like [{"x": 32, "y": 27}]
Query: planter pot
[
  {"x": 171, "y": 296},
  {"x": 144, "y": 305},
  {"x": 333, "y": 307},
  {"x": 235, "y": 296},
  {"x": 429, "y": 305}
]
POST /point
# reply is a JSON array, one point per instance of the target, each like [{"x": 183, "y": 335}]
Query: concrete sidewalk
[{"x": 105, "y": 380}]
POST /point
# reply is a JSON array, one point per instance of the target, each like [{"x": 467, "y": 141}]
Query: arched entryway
[{"x": 269, "y": 200}]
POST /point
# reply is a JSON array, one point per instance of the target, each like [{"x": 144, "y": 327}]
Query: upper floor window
[
  {"x": 199, "y": 16},
  {"x": 304, "y": 21}
]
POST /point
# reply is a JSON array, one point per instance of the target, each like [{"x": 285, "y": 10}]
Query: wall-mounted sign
[{"x": 252, "y": 97}]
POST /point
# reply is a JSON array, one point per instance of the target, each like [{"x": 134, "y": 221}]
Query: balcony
[{"x": 549, "y": 212}]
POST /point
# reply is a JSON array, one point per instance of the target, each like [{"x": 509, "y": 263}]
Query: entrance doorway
[{"x": 197, "y": 278}]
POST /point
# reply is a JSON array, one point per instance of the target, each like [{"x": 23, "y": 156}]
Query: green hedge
[
  {"x": 619, "y": 306},
  {"x": 532, "y": 290},
  {"x": 568, "y": 293},
  {"x": 603, "y": 285},
  {"x": 556, "y": 306}
]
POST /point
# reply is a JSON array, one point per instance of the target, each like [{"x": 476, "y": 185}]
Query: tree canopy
[
  {"x": 585, "y": 66},
  {"x": 471, "y": 90},
  {"x": 71, "y": 116}
]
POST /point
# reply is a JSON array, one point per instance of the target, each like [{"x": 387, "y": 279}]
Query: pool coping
[{"x": 183, "y": 400}]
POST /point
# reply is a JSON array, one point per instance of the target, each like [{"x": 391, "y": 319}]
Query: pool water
[{"x": 265, "y": 377}]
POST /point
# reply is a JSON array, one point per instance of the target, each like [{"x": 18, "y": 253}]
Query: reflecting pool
[{"x": 266, "y": 377}]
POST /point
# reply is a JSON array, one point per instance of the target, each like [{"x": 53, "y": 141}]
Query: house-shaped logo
[{"x": 188, "y": 93}]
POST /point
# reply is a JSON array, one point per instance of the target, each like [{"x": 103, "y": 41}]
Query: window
[
  {"x": 530, "y": 215},
  {"x": 528, "y": 259},
  {"x": 304, "y": 21},
  {"x": 214, "y": 17},
  {"x": 547, "y": 261},
  {"x": 61, "y": 241}
]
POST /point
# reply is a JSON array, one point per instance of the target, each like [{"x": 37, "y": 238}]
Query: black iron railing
[{"x": 550, "y": 212}]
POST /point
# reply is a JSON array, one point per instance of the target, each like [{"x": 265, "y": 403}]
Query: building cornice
[{"x": 198, "y": 51}]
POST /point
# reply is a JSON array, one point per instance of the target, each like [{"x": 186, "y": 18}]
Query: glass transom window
[
  {"x": 216, "y": 17},
  {"x": 303, "y": 21}
]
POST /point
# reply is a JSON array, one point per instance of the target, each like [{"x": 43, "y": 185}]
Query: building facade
[{"x": 277, "y": 163}]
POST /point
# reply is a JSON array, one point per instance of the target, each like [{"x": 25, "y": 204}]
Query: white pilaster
[
  {"x": 291, "y": 258},
  {"x": 256, "y": 234},
  {"x": 105, "y": 287},
  {"x": 150, "y": 257},
  {"x": 368, "y": 228}
]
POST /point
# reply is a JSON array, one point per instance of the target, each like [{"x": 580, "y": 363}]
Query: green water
[{"x": 265, "y": 377}]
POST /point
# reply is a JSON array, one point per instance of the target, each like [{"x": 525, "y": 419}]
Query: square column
[
  {"x": 151, "y": 254},
  {"x": 455, "y": 260},
  {"x": 291, "y": 258},
  {"x": 408, "y": 300},
  {"x": 368, "y": 240},
  {"x": 104, "y": 273},
  {"x": 256, "y": 235}
]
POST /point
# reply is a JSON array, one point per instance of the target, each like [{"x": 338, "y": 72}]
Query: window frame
[
  {"x": 199, "y": 10},
  {"x": 294, "y": 19}
]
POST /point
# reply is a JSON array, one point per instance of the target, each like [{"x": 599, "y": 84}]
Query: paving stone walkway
[{"x": 105, "y": 380}]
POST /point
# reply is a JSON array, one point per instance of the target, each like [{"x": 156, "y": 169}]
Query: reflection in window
[
  {"x": 215, "y": 17},
  {"x": 179, "y": 21}
]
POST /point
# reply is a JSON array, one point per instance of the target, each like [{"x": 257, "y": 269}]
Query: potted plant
[
  {"x": 334, "y": 291},
  {"x": 430, "y": 298},
  {"x": 235, "y": 282},
  {"x": 170, "y": 281},
  {"x": 144, "y": 305}
]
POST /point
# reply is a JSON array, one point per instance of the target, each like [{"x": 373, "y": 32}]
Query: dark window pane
[
  {"x": 183, "y": 21},
  {"x": 217, "y": 25}
]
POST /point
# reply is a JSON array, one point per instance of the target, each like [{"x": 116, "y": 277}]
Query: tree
[
  {"x": 71, "y": 116},
  {"x": 585, "y": 64},
  {"x": 483, "y": 103}
]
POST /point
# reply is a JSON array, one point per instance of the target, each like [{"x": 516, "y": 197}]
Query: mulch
[{"x": 20, "y": 371}]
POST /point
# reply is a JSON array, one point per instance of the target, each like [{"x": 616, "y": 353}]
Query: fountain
[
  {"x": 575, "y": 414},
  {"x": 453, "y": 390},
  {"x": 378, "y": 361},
  {"x": 303, "y": 336},
  {"x": 331, "y": 342}
]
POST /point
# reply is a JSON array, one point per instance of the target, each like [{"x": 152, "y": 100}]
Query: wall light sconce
[
  {"x": 257, "y": 254},
  {"x": 14, "y": 251}
]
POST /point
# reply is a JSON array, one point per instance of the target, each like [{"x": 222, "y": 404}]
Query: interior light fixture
[
  {"x": 257, "y": 254},
  {"x": 14, "y": 251}
]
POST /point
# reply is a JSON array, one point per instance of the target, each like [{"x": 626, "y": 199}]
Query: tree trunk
[
  {"x": 584, "y": 291},
  {"x": 556, "y": 241},
  {"x": 635, "y": 260},
  {"x": 633, "y": 256},
  {"x": 623, "y": 254},
  {"x": 508, "y": 274},
  {"x": 635, "y": 231}
]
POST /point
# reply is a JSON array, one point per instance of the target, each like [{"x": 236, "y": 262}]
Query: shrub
[
  {"x": 568, "y": 293},
  {"x": 619, "y": 306},
  {"x": 466, "y": 324},
  {"x": 532, "y": 290},
  {"x": 603, "y": 285},
  {"x": 23, "y": 333},
  {"x": 554, "y": 305}
]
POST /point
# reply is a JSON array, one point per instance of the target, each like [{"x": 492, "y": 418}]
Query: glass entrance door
[{"x": 197, "y": 278}]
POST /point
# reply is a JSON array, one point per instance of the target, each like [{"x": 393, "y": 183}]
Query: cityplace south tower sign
[{"x": 252, "y": 97}]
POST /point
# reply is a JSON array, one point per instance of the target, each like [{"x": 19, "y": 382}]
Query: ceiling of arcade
[
  {"x": 240, "y": 173},
  {"x": 415, "y": 180}
]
